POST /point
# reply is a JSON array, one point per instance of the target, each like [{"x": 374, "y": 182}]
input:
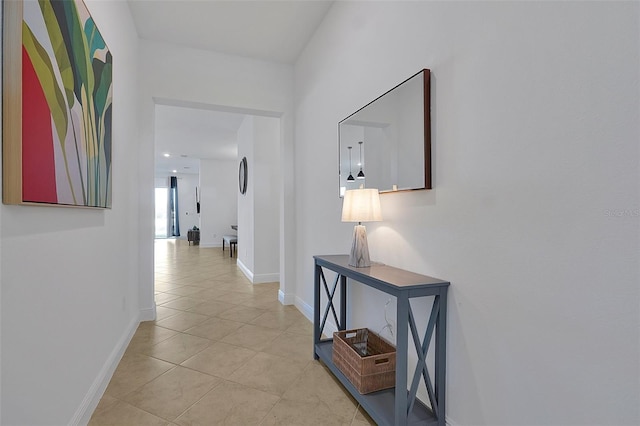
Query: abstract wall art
[{"x": 57, "y": 106}]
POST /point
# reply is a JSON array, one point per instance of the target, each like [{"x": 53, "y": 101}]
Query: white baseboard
[
  {"x": 257, "y": 278},
  {"x": 92, "y": 398},
  {"x": 307, "y": 311},
  {"x": 266, "y": 278},
  {"x": 247, "y": 273},
  {"x": 148, "y": 314},
  {"x": 450, "y": 422},
  {"x": 287, "y": 299},
  {"x": 210, "y": 245}
]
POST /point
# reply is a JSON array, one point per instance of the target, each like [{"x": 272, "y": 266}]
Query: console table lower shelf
[{"x": 379, "y": 405}]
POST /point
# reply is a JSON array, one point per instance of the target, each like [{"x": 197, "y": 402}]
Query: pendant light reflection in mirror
[
  {"x": 360, "y": 173},
  {"x": 350, "y": 178}
]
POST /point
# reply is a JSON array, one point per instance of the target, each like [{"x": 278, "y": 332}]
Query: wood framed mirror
[{"x": 387, "y": 143}]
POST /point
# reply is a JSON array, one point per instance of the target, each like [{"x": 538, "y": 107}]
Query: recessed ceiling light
[
  {"x": 167, "y": 155},
  {"x": 174, "y": 171}
]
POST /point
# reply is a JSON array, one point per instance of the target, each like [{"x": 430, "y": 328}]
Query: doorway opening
[{"x": 202, "y": 146}]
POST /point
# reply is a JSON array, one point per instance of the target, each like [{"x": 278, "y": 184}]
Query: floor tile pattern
[{"x": 221, "y": 352}]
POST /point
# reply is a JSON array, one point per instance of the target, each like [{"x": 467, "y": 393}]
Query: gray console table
[{"x": 399, "y": 405}]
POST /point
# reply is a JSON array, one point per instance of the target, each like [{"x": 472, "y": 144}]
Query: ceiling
[
  {"x": 264, "y": 29},
  {"x": 185, "y": 135},
  {"x": 274, "y": 31}
]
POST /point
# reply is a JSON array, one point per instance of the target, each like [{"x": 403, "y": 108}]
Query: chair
[{"x": 232, "y": 240}]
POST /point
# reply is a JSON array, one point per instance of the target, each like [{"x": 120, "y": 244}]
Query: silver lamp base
[{"x": 359, "y": 256}]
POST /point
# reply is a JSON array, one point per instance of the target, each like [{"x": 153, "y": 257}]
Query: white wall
[
  {"x": 267, "y": 182},
  {"x": 184, "y": 76},
  {"x": 535, "y": 153},
  {"x": 69, "y": 276},
  {"x": 258, "y": 208},
  {"x": 218, "y": 200},
  {"x": 246, "y": 201}
]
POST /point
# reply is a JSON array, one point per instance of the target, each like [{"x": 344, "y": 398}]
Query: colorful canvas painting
[{"x": 66, "y": 106}]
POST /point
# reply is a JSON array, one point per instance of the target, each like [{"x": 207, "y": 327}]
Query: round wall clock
[{"x": 242, "y": 175}]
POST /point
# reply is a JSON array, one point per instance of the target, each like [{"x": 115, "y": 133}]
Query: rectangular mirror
[{"x": 387, "y": 143}]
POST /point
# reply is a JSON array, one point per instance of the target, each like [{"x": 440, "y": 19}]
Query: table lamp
[{"x": 361, "y": 205}]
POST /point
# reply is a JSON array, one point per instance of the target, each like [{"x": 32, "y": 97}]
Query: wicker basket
[{"x": 368, "y": 361}]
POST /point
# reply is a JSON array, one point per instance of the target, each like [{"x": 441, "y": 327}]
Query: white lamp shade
[{"x": 361, "y": 205}]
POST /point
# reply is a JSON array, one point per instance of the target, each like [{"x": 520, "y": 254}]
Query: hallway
[{"x": 221, "y": 352}]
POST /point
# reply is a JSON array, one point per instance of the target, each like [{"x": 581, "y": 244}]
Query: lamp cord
[{"x": 389, "y": 324}]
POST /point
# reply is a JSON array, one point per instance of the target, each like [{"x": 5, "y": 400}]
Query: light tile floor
[{"x": 221, "y": 352}]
